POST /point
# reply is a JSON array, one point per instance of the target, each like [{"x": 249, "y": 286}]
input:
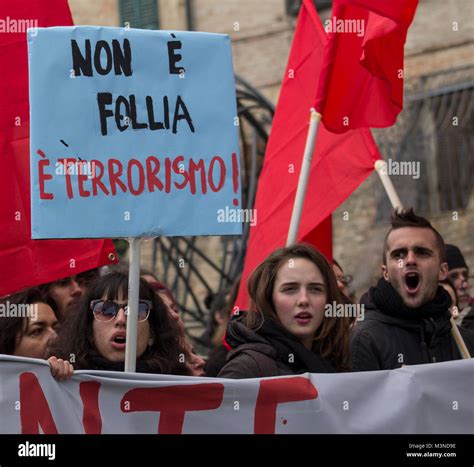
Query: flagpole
[
  {"x": 463, "y": 350},
  {"x": 381, "y": 168},
  {"x": 315, "y": 118},
  {"x": 133, "y": 297}
]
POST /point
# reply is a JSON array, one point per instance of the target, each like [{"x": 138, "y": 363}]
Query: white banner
[{"x": 422, "y": 399}]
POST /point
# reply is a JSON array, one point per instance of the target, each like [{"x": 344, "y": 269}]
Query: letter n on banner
[
  {"x": 34, "y": 408},
  {"x": 277, "y": 391}
]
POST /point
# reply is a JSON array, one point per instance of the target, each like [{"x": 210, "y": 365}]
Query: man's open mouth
[{"x": 412, "y": 281}]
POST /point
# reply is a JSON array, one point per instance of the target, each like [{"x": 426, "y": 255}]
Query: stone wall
[{"x": 95, "y": 12}]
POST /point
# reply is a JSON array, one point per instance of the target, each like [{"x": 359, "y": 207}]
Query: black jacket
[
  {"x": 216, "y": 361},
  {"x": 387, "y": 340},
  {"x": 268, "y": 351}
]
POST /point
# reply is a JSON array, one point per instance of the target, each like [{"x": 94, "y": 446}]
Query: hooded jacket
[
  {"x": 393, "y": 335},
  {"x": 269, "y": 350}
]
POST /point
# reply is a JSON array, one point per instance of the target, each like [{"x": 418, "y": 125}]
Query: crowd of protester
[{"x": 293, "y": 324}]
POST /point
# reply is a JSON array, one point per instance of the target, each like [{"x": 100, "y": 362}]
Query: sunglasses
[{"x": 106, "y": 310}]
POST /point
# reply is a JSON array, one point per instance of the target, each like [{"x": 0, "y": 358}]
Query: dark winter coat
[
  {"x": 216, "y": 361},
  {"x": 392, "y": 335},
  {"x": 268, "y": 351}
]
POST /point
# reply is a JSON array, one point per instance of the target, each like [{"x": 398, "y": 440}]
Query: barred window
[
  {"x": 142, "y": 14},
  {"x": 435, "y": 134},
  {"x": 453, "y": 113}
]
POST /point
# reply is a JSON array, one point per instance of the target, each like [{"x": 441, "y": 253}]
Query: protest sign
[{"x": 133, "y": 133}]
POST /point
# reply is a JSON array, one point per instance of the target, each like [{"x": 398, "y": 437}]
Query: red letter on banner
[
  {"x": 277, "y": 391},
  {"x": 91, "y": 418},
  {"x": 34, "y": 408},
  {"x": 173, "y": 402}
]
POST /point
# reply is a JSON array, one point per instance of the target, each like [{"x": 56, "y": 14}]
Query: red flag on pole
[
  {"x": 25, "y": 262},
  {"x": 361, "y": 81},
  {"x": 340, "y": 162}
]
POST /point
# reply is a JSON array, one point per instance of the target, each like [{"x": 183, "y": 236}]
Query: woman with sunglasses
[{"x": 94, "y": 335}]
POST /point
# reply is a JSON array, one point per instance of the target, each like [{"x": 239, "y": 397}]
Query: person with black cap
[
  {"x": 407, "y": 317},
  {"x": 458, "y": 272}
]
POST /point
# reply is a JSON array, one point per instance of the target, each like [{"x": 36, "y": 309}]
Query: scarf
[
  {"x": 289, "y": 349},
  {"x": 389, "y": 302}
]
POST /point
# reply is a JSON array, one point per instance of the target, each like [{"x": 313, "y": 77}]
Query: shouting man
[{"x": 407, "y": 313}]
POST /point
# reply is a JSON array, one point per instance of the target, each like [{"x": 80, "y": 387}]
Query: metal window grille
[{"x": 436, "y": 129}]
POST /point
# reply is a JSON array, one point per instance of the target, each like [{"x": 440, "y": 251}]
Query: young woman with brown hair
[{"x": 292, "y": 326}]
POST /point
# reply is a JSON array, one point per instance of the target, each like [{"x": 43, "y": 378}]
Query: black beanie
[{"x": 454, "y": 257}]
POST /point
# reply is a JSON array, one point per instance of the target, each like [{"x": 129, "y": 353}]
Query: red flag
[
  {"x": 25, "y": 262},
  {"x": 361, "y": 81},
  {"x": 340, "y": 162}
]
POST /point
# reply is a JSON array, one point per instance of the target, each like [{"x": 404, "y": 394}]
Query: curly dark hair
[
  {"x": 165, "y": 355},
  {"x": 332, "y": 340}
]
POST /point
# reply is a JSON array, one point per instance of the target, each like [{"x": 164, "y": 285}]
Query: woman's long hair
[
  {"x": 332, "y": 339},
  {"x": 76, "y": 338}
]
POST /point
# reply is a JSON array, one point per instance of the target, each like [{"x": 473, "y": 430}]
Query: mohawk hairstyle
[{"x": 407, "y": 218}]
